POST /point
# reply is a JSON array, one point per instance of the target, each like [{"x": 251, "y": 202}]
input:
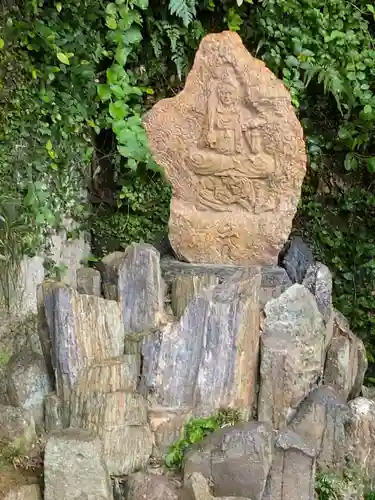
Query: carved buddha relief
[{"x": 230, "y": 158}]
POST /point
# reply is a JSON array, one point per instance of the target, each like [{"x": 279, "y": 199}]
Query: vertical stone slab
[
  {"x": 209, "y": 359},
  {"x": 133, "y": 278},
  {"x": 74, "y": 467},
  {"x": 361, "y": 438},
  {"x": 292, "y": 354},
  {"x": 185, "y": 288},
  {"x": 346, "y": 361},
  {"x": 292, "y": 475},
  {"x": 233, "y": 150},
  {"x": 83, "y": 329},
  {"x": 321, "y": 419},
  {"x": 105, "y": 402}
]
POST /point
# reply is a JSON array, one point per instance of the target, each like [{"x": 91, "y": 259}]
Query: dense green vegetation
[{"x": 76, "y": 78}]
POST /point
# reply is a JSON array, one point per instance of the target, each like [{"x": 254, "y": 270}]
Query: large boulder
[
  {"x": 74, "y": 467},
  {"x": 142, "y": 486},
  {"x": 237, "y": 460},
  {"x": 292, "y": 351},
  {"x": 233, "y": 150},
  {"x": 28, "y": 383},
  {"x": 217, "y": 366},
  {"x": 200, "y": 490}
]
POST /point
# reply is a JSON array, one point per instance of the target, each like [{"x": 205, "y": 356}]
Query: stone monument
[{"x": 233, "y": 150}]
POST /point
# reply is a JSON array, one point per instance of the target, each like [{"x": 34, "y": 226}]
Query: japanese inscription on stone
[{"x": 233, "y": 150}]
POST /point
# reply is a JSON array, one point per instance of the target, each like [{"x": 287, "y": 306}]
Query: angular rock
[
  {"x": 361, "y": 438},
  {"x": 185, "y": 288},
  {"x": 89, "y": 281},
  {"x": 201, "y": 490},
  {"x": 28, "y": 383},
  {"x": 167, "y": 425},
  {"x": 53, "y": 413},
  {"x": 17, "y": 428},
  {"x": 217, "y": 366},
  {"x": 143, "y": 486},
  {"x": 83, "y": 329},
  {"x": 318, "y": 281},
  {"x": 274, "y": 282},
  {"x": 296, "y": 259},
  {"x": 292, "y": 475},
  {"x": 346, "y": 361},
  {"x": 237, "y": 459},
  {"x": 321, "y": 420},
  {"x": 233, "y": 150},
  {"x": 74, "y": 467},
  {"x": 133, "y": 278},
  {"x": 292, "y": 349},
  {"x": 104, "y": 404}
]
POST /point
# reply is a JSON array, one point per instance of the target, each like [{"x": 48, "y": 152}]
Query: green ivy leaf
[
  {"x": 141, "y": 4},
  {"x": 117, "y": 110},
  {"x": 111, "y": 9},
  {"x": 292, "y": 62},
  {"x": 133, "y": 35},
  {"x": 371, "y": 164},
  {"x": 111, "y": 23},
  {"x": 104, "y": 91},
  {"x": 1, "y": 43},
  {"x": 350, "y": 162},
  {"x": 58, "y": 7},
  {"x": 63, "y": 58}
]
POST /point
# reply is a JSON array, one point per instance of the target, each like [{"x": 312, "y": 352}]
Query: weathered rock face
[
  {"x": 201, "y": 491},
  {"x": 237, "y": 459},
  {"x": 83, "y": 329},
  {"x": 361, "y": 437},
  {"x": 233, "y": 151},
  {"x": 133, "y": 278},
  {"x": 143, "y": 486},
  {"x": 16, "y": 486},
  {"x": 346, "y": 361},
  {"x": 216, "y": 366},
  {"x": 292, "y": 475},
  {"x": 291, "y": 354},
  {"x": 105, "y": 403},
  {"x": 321, "y": 419},
  {"x": 17, "y": 428},
  {"x": 297, "y": 258},
  {"x": 74, "y": 467},
  {"x": 89, "y": 281},
  {"x": 28, "y": 383}
]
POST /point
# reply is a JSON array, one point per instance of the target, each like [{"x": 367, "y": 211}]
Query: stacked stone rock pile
[{"x": 179, "y": 341}]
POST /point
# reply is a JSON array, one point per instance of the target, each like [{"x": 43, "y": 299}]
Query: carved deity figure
[{"x": 230, "y": 157}]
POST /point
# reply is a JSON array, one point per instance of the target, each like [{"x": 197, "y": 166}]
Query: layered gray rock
[
  {"x": 292, "y": 475},
  {"x": 105, "y": 403},
  {"x": 89, "y": 281},
  {"x": 321, "y": 419},
  {"x": 217, "y": 365},
  {"x": 292, "y": 351},
  {"x": 185, "y": 288},
  {"x": 83, "y": 329},
  {"x": 143, "y": 486},
  {"x": 53, "y": 413},
  {"x": 28, "y": 383},
  {"x": 275, "y": 281},
  {"x": 361, "y": 438},
  {"x": 74, "y": 467},
  {"x": 297, "y": 259},
  {"x": 133, "y": 278},
  {"x": 167, "y": 425},
  {"x": 237, "y": 460},
  {"x": 200, "y": 490},
  {"x": 15, "y": 485},
  {"x": 346, "y": 361}
]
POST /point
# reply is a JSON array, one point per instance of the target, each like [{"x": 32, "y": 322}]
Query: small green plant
[{"x": 195, "y": 430}]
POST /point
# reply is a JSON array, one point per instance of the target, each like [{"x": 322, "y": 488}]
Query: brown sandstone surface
[{"x": 233, "y": 150}]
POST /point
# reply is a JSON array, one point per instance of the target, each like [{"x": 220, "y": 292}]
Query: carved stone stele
[{"x": 233, "y": 150}]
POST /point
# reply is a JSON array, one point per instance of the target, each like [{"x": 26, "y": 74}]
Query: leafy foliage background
[{"x": 76, "y": 78}]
